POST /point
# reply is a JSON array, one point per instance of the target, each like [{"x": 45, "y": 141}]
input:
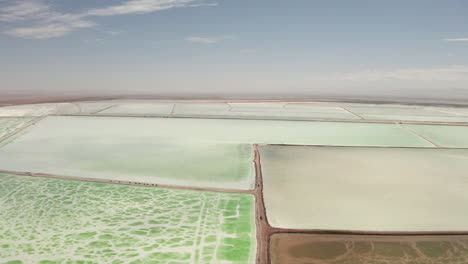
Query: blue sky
[{"x": 358, "y": 47}]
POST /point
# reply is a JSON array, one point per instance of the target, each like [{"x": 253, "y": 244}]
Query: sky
[{"x": 377, "y": 48}]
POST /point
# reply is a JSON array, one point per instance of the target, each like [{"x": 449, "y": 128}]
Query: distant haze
[{"x": 302, "y": 49}]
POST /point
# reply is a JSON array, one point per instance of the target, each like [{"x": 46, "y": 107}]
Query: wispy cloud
[
  {"x": 209, "y": 40},
  {"x": 24, "y": 10},
  {"x": 47, "y": 31},
  {"x": 110, "y": 32},
  {"x": 140, "y": 7},
  {"x": 43, "y": 22},
  {"x": 456, "y": 39},
  {"x": 201, "y": 40},
  {"x": 93, "y": 41},
  {"x": 208, "y": 4}
]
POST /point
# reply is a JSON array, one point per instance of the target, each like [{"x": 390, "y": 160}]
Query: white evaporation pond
[{"x": 365, "y": 189}]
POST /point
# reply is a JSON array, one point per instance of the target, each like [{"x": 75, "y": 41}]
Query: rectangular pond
[
  {"x": 190, "y": 152},
  {"x": 263, "y": 110},
  {"x": 446, "y": 136},
  {"x": 366, "y": 189},
  {"x": 61, "y": 221}
]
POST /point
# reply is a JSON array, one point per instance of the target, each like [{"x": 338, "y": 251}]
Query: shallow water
[
  {"x": 369, "y": 189},
  {"x": 190, "y": 152},
  {"x": 247, "y": 110},
  {"x": 61, "y": 221},
  {"x": 446, "y": 136}
]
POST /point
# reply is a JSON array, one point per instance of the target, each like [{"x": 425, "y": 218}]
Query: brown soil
[{"x": 331, "y": 249}]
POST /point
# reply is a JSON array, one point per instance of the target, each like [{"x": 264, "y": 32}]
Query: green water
[
  {"x": 60, "y": 221},
  {"x": 446, "y": 136}
]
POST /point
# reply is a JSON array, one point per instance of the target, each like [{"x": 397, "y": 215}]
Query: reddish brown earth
[{"x": 334, "y": 249}]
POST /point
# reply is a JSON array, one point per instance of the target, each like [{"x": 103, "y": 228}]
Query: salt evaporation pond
[
  {"x": 61, "y": 221},
  {"x": 190, "y": 152},
  {"x": 365, "y": 189}
]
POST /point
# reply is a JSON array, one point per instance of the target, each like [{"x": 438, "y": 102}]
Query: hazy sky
[{"x": 373, "y": 47}]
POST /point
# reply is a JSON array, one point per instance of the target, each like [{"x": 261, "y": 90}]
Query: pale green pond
[
  {"x": 446, "y": 136},
  {"x": 62, "y": 221},
  {"x": 410, "y": 113},
  {"x": 272, "y": 110},
  {"x": 370, "y": 189},
  {"x": 231, "y": 110},
  {"x": 190, "y": 152},
  {"x": 287, "y": 110}
]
